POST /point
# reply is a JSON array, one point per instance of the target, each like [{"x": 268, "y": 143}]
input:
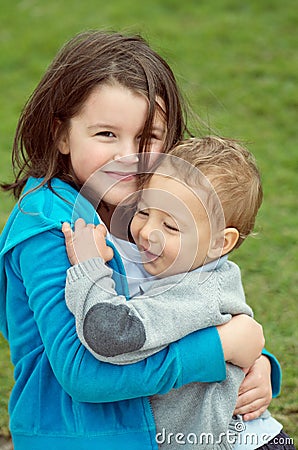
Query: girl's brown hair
[{"x": 86, "y": 61}]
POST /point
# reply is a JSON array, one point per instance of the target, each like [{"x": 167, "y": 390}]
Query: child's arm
[
  {"x": 235, "y": 337},
  {"x": 122, "y": 332},
  {"x": 80, "y": 375}
]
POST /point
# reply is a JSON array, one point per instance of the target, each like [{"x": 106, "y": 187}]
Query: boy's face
[{"x": 170, "y": 228}]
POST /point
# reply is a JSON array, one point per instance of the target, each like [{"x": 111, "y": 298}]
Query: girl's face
[{"x": 105, "y": 135}]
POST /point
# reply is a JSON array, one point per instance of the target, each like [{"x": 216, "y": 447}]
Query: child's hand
[
  {"x": 255, "y": 393},
  {"x": 85, "y": 242}
]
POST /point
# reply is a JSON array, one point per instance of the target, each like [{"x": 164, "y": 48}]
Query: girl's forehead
[
  {"x": 110, "y": 104},
  {"x": 108, "y": 97}
]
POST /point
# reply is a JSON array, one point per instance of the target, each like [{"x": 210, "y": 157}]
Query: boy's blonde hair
[{"x": 232, "y": 171}]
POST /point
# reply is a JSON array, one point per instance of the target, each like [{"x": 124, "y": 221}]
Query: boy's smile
[{"x": 171, "y": 227}]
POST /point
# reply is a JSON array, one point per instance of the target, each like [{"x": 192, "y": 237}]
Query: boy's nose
[{"x": 151, "y": 233}]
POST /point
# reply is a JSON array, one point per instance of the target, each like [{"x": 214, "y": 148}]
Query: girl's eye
[
  {"x": 152, "y": 137},
  {"x": 105, "y": 134},
  {"x": 155, "y": 137},
  {"x": 171, "y": 228}
]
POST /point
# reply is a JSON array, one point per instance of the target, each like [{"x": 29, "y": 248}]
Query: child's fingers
[
  {"x": 80, "y": 224},
  {"x": 89, "y": 242},
  {"x": 68, "y": 236},
  {"x": 105, "y": 251},
  {"x": 102, "y": 229},
  {"x": 67, "y": 231},
  {"x": 65, "y": 227},
  {"x": 109, "y": 254}
]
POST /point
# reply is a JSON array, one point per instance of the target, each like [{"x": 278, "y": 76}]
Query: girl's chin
[
  {"x": 101, "y": 187},
  {"x": 120, "y": 195}
]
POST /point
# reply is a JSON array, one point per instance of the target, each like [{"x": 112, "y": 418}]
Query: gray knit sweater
[{"x": 122, "y": 332}]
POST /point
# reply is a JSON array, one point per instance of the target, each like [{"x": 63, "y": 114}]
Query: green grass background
[{"x": 237, "y": 64}]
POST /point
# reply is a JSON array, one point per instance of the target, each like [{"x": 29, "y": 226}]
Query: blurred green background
[{"x": 236, "y": 63}]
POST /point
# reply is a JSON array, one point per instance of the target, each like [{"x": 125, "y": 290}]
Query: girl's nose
[{"x": 127, "y": 153}]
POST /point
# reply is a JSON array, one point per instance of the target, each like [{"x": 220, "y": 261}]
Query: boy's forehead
[
  {"x": 169, "y": 194},
  {"x": 162, "y": 186}
]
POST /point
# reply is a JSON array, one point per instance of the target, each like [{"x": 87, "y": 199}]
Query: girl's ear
[
  {"x": 63, "y": 145},
  {"x": 224, "y": 244}
]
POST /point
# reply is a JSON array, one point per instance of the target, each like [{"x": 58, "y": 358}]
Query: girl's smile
[
  {"x": 103, "y": 141},
  {"x": 122, "y": 176}
]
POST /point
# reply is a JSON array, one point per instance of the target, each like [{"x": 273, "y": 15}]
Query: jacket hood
[{"x": 43, "y": 210}]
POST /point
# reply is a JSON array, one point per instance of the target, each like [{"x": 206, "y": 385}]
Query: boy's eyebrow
[{"x": 176, "y": 217}]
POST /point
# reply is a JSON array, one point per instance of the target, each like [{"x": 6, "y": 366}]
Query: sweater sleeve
[
  {"x": 124, "y": 332},
  {"x": 79, "y": 373}
]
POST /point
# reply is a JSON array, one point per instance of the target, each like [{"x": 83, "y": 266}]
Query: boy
[{"x": 198, "y": 205}]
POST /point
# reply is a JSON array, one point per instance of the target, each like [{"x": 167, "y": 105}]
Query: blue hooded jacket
[{"x": 64, "y": 398}]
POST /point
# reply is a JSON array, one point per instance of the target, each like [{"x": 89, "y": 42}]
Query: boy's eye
[
  {"x": 143, "y": 213},
  {"x": 172, "y": 228}
]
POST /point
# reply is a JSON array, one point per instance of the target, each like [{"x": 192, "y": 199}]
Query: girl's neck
[
  {"x": 117, "y": 219},
  {"x": 105, "y": 212}
]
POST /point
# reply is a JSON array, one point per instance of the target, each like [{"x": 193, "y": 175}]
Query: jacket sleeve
[
  {"x": 42, "y": 263},
  {"x": 123, "y": 332},
  {"x": 276, "y": 374}
]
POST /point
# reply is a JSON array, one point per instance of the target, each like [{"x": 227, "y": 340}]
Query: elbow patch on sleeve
[{"x": 112, "y": 330}]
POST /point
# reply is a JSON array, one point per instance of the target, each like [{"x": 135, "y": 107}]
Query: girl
[{"x": 104, "y": 98}]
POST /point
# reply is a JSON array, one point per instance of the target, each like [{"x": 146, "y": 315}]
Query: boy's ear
[
  {"x": 231, "y": 236},
  {"x": 224, "y": 244}
]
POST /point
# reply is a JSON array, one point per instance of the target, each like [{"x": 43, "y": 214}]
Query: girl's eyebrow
[
  {"x": 95, "y": 126},
  {"x": 100, "y": 125}
]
